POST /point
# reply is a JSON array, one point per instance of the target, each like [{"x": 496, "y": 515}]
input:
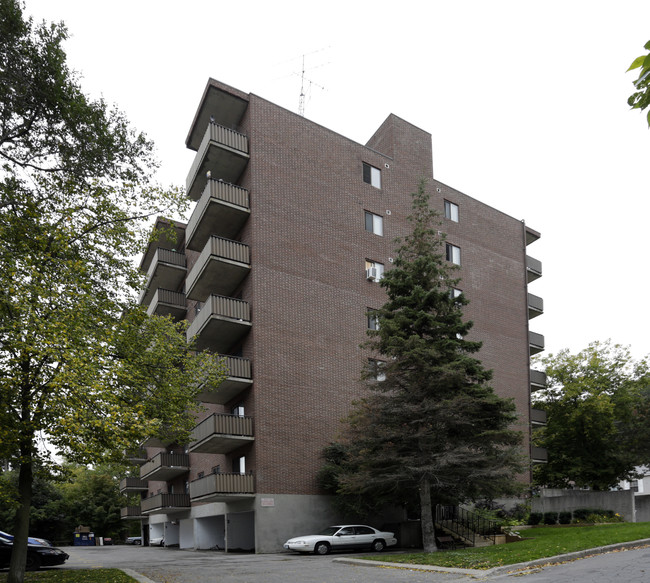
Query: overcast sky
[{"x": 526, "y": 103}]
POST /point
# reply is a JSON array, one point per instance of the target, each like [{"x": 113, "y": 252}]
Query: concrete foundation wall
[
  {"x": 280, "y": 517},
  {"x": 621, "y": 502}
]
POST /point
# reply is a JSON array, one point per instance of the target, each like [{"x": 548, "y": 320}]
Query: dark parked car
[{"x": 37, "y": 555}]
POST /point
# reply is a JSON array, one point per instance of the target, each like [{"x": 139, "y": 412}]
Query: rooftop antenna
[{"x": 303, "y": 79}]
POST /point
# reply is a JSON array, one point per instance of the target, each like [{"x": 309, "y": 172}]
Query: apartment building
[{"x": 276, "y": 269}]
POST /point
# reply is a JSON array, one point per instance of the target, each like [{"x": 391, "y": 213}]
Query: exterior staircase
[{"x": 467, "y": 527}]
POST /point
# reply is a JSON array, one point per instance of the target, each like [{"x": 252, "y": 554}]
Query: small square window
[
  {"x": 451, "y": 211},
  {"x": 372, "y": 175},
  {"x": 375, "y": 223},
  {"x": 452, "y": 253},
  {"x": 373, "y": 319},
  {"x": 374, "y": 270}
]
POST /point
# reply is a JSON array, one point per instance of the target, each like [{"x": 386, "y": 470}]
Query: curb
[
  {"x": 504, "y": 568},
  {"x": 137, "y": 576}
]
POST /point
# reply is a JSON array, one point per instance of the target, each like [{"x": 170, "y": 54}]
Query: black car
[{"x": 37, "y": 555}]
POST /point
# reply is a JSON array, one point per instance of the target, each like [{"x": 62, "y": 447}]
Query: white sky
[{"x": 526, "y": 102}]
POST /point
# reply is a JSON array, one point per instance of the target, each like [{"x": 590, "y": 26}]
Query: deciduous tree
[
  {"x": 433, "y": 428},
  {"x": 82, "y": 366},
  {"x": 640, "y": 99},
  {"x": 598, "y": 427}
]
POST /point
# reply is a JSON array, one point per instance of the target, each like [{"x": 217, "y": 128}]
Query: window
[
  {"x": 239, "y": 465},
  {"x": 375, "y": 224},
  {"x": 376, "y": 369},
  {"x": 373, "y": 320},
  {"x": 454, "y": 292},
  {"x": 451, "y": 211},
  {"x": 374, "y": 270},
  {"x": 453, "y": 253},
  {"x": 238, "y": 410},
  {"x": 372, "y": 175}
]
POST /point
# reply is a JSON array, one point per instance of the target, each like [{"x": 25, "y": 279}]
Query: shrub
[
  {"x": 565, "y": 518},
  {"x": 535, "y": 518},
  {"x": 550, "y": 518}
]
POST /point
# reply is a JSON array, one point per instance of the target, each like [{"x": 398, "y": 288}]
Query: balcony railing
[
  {"x": 136, "y": 456},
  {"x": 167, "y": 270},
  {"x": 165, "y": 466},
  {"x": 239, "y": 378},
  {"x": 222, "y": 487},
  {"x": 165, "y": 503},
  {"x": 223, "y": 153},
  {"x": 220, "y": 269},
  {"x": 168, "y": 303},
  {"x": 222, "y": 210},
  {"x": 537, "y": 380},
  {"x": 221, "y": 323},
  {"x": 221, "y": 433},
  {"x": 537, "y": 417},
  {"x": 538, "y": 455},
  {"x": 535, "y": 306},
  {"x": 533, "y": 268},
  {"x": 131, "y": 513},
  {"x": 133, "y": 485},
  {"x": 535, "y": 342}
]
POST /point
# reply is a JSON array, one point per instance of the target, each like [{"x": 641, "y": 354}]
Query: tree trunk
[
  {"x": 426, "y": 518},
  {"x": 21, "y": 523}
]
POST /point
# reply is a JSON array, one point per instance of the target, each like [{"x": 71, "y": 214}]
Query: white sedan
[{"x": 348, "y": 536}]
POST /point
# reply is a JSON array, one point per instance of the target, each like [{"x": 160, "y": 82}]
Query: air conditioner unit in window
[{"x": 371, "y": 274}]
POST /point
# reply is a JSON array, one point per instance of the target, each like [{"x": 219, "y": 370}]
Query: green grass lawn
[
  {"x": 543, "y": 542},
  {"x": 56, "y": 575}
]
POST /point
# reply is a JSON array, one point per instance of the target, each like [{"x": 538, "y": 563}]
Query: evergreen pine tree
[{"x": 431, "y": 427}]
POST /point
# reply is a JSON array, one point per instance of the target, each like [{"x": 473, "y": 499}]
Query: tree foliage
[
  {"x": 433, "y": 429},
  {"x": 598, "y": 411},
  {"x": 82, "y": 366},
  {"x": 640, "y": 99}
]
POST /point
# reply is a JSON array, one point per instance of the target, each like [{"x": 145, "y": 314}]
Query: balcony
[
  {"x": 220, "y": 269},
  {"x": 225, "y": 104},
  {"x": 537, "y": 417},
  {"x": 538, "y": 455},
  {"x": 533, "y": 268},
  {"x": 222, "y": 488},
  {"x": 168, "y": 303},
  {"x": 239, "y": 378},
  {"x": 221, "y": 323},
  {"x": 537, "y": 380},
  {"x": 221, "y": 434},
  {"x": 165, "y": 466},
  {"x": 167, "y": 270},
  {"x": 130, "y": 485},
  {"x": 165, "y": 504},
  {"x": 535, "y": 343},
  {"x": 531, "y": 235},
  {"x": 131, "y": 513},
  {"x": 535, "y": 306},
  {"x": 166, "y": 234},
  {"x": 223, "y": 209},
  {"x": 136, "y": 456},
  {"x": 223, "y": 153}
]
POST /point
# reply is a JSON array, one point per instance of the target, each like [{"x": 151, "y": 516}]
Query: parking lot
[{"x": 181, "y": 566}]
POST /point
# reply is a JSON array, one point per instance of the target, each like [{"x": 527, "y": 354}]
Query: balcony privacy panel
[{"x": 239, "y": 378}]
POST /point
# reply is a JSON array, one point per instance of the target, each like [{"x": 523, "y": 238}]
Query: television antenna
[{"x": 306, "y": 84}]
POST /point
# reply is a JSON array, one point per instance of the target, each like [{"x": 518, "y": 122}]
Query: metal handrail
[{"x": 466, "y": 524}]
